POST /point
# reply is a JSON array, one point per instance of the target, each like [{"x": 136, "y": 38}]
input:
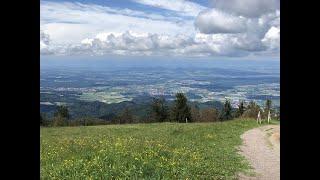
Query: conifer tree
[
  {"x": 181, "y": 111},
  {"x": 226, "y": 112},
  {"x": 241, "y": 108},
  {"x": 268, "y": 105},
  {"x": 126, "y": 116},
  {"x": 159, "y": 109},
  {"x": 61, "y": 116}
]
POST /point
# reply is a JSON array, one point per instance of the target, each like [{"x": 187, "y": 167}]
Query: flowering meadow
[{"x": 144, "y": 151}]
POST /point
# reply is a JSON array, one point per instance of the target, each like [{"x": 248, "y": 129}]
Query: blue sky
[
  {"x": 161, "y": 28},
  {"x": 128, "y": 4}
]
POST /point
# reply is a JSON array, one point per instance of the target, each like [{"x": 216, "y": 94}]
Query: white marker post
[
  {"x": 269, "y": 117},
  {"x": 186, "y": 120},
  {"x": 259, "y": 118}
]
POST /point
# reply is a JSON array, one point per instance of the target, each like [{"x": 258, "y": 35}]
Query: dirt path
[{"x": 261, "y": 146}]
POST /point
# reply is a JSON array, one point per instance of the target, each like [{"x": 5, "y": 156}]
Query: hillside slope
[{"x": 144, "y": 151}]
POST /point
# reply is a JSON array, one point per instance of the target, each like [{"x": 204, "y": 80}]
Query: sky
[{"x": 160, "y": 29}]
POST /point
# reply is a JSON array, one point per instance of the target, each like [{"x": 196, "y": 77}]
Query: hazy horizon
[{"x": 266, "y": 66}]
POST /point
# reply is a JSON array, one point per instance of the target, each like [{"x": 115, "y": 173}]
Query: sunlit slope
[{"x": 161, "y": 150}]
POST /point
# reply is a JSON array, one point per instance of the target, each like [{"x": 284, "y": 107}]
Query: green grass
[{"x": 144, "y": 151}]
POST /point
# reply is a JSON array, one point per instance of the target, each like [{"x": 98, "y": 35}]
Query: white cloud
[
  {"x": 272, "y": 38},
  {"x": 181, "y": 6},
  {"x": 216, "y": 21},
  {"x": 249, "y": 42},
  {"x": 248, "y": 8},
  {"x": 75, "y": 28},
  {"x": 72, "y": 22},
  {"x": 133, "y": 43},
  {"x": 142, "y": 44},
  {"x": 250, "y": 26},
  {"x": 44, "y": 43},
  {"x": 44, "y": 38}
]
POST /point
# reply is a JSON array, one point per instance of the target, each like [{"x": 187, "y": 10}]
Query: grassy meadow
[{"x": 144, "y": 151}]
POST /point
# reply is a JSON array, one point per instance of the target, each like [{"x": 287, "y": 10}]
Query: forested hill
[{"x": 139, "y": 107}]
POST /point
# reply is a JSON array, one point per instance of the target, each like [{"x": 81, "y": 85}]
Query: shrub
[
  {"x": 195, "y": 113},
  {"x": 59, "y": 121},
  {"x": 252, "y": 110},
  {"x": 209, "y": 115},
  {"x": 88, "y": 121},
  {"x": 41, "y": 120},
  {"x": 241, "y": 109}
]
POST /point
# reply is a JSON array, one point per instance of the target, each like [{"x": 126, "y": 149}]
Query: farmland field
[
  {"x": 144, "y": 151},
  {"x": 102, "y": 88}
]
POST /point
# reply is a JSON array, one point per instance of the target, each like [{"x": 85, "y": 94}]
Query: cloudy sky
[{"x": 161, "y": 28}]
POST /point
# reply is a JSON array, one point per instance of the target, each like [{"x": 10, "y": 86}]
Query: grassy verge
[{"x": 144, "y": 151}]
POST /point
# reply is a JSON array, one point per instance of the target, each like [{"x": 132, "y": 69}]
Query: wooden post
[{"x": 259, "y": 118}]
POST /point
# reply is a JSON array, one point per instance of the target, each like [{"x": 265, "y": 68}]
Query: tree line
[{"x": 180, "y": 111}]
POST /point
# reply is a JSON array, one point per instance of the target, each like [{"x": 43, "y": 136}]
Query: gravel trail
[{"x": 261, "y": 146}]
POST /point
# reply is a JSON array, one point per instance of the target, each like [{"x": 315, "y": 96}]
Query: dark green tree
[
  {"x": 126, "y": 116},
  {"x": 181, "y": 110},
  {"x": 44, "y": 119},
  {"x": 61, "y": 116},
  {"x": 62, "y": 111},
  {"x": 41, "y": 120},
  {"x": 241, "y": 108},
  {"x": 268, "y": 106},
  {"x": 159, "y": 109},
  {"x": 226, "y": 112}
]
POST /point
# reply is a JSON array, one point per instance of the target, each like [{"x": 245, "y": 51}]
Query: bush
[
  {"x": 195, "y": 113},
  {"x": 44, "y": 121},
  {"x": 41, "y": 120},
  {"x": 241, "y": 109},
  {"x": 209, "y": 115},
  {"x": 59, "y": 121},
  {"x": 252, "y": 110},
  {"x": 88, "y": 121}
]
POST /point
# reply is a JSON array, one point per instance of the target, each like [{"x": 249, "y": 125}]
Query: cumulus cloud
[
  {"x": 272, "y": 38},
  {"x": 133, "y": 43},
  {"x": 247, "y": 25},
  {"x": 44, "y": 43},
  {"x": 221, "y": 20},
  {"x": 216, "y": 21},
  {"x": 86, "y": 29},
  {"x": 248, "y": 8},
  {"x": 148, "y": 44},
  {"x": 44, "y": 38}
]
